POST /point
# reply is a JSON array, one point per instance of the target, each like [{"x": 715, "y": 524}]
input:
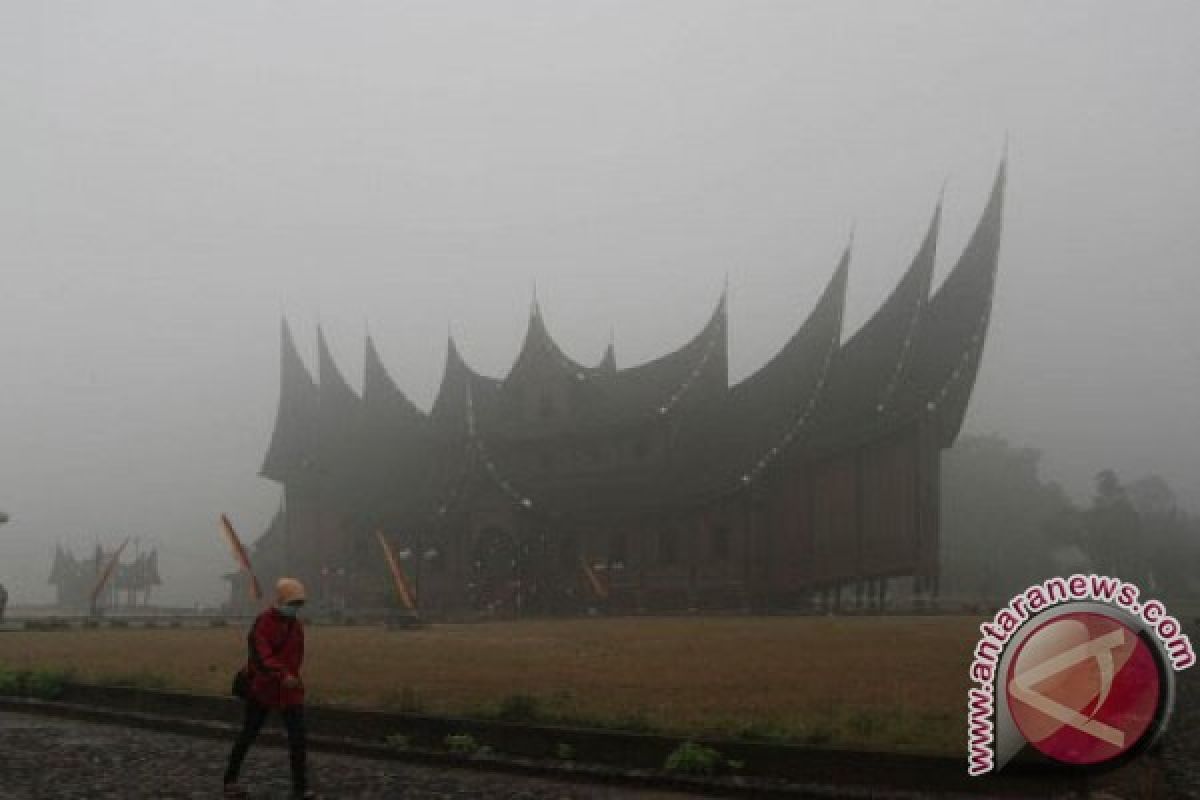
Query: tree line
[{"x": 1004, "y": 528}]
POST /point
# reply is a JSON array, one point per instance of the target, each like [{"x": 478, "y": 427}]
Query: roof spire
[
  {"x": 333, "y": 386},
  {"x": 608, "y": 361},
  {"x": 295, "y": 413}
]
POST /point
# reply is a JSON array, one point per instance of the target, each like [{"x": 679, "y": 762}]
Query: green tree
[
  {"x": 1114, "y": 531},
  {"x": 1169, "y": 538}
]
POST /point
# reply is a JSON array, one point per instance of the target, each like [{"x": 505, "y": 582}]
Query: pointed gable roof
[
  {"x": 540, "y": 356},
  {"x": 449, "y": 412},
  {"x": 790, "y": 377},
  {"x": 769, "y": 411},
  {"x": 950, "y": 338},
  {"x": 608, "y": 361},
  {"x": 698, "y": 368},
  {"x": 293, "y": 444},
  {"x": 383, "y": 402},
  {"x": 337, "y": 398},
  {"x": 868, "y": 366}
]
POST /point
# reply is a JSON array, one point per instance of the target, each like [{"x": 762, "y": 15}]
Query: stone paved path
[
  {"x": 1181, "y": 751},
  {"x": 43, "y": 758}
]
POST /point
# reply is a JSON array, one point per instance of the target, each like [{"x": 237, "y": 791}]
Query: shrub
[
  {"x": 690, "y": 758},
  {"x": 10, "y": 682},
  {"x": 461, "y": 743},
  {"x": 564, "y": 752},
  {"x": 398, "y": 741},
  {"x": 519, "y": 708},
  {"x": 42, "y": 684}
]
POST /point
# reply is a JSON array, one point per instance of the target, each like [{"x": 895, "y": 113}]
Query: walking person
[{"x": 276, "y": 653}]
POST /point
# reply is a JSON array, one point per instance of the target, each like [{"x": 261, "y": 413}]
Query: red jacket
[{"x": 278, "y": 642}]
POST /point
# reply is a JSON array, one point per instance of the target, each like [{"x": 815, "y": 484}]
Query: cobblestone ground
[
  {"x": 1181, "y": 750},
  {"x": 43, "y": 758}
]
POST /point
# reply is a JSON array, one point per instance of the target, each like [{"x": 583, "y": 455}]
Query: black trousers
[{"x": 293, "y": 720}]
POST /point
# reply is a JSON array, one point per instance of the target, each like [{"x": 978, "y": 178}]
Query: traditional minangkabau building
[
  {"x": 563, "y": 487},
  {"x": 74, "y": 579}
]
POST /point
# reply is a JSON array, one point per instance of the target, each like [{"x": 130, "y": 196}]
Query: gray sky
[{"x": 176, "y": 175}]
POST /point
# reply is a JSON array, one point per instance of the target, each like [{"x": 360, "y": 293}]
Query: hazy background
[{"x": 174, "y": 176}]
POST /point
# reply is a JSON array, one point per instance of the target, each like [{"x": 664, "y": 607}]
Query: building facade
[
  {"x": 564, "y": 486},
  {"x": 128, "y": 586}
]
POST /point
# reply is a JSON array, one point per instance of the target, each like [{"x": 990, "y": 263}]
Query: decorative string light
[
  {"x": 963, "y": 361},
  {"x": 805, "y": 415},
  {"x": 489, "y": 466},
  {"x": 548, "y": 346},
  {"x": 970, "y": 349},
  {"x": 902, "y": 359},
  {"x": 696, "y": 372}
]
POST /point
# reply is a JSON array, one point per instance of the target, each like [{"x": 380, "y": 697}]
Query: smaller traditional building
[{"x": 128, "y": 587}]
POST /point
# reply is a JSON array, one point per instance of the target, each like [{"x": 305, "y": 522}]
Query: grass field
[{"x": 895, "y": 682}]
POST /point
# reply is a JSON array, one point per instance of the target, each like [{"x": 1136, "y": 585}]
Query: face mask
[{"x": 289, "y": 611}]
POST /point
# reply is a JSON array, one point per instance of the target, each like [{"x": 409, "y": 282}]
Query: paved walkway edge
[{"x": 579, "y": 773}]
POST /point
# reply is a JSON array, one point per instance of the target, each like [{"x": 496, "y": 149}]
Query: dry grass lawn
[{"x": 893, "y": 682}]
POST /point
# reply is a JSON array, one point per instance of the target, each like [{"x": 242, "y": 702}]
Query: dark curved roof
[
  {"x": 867, "y": 369},
  {"x": 339, "y": 404},
  {"x": 669, "y": 382},
  {"x": 916, "y": 356},
  {"x": 949, "y": 343},
  {"x": 293, "y": 441},
  {"x": 449, "y": 414},
  {"x": 540, "y": 354},
  {"x": 774, "y": 408},
  {"x": 385, "y": 407}
]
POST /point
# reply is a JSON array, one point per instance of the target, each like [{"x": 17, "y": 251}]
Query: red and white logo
[{"x": 1084, "y": 688}]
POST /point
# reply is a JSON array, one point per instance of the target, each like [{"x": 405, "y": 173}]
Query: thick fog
[{"x": 173, "y": 177}]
